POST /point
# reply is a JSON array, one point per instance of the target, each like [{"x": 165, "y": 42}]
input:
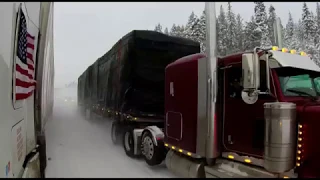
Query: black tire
[
  {"x": 128, "y": 142},
  {"x": 153, "y": 155},
  {"x": 115, "y": 133}
]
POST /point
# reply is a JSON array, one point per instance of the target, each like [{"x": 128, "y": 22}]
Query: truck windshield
[{"x": 299, "y": 83}]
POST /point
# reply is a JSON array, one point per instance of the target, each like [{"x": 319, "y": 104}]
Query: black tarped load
[
  {"x": 130, "y": 77},
  {"x": 80, "y": 92}
]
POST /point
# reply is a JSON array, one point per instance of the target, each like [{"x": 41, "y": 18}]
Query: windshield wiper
[{"x": 302, "y": 93}]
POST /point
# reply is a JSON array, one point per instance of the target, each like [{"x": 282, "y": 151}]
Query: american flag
[{"x": 24, "y": 64}]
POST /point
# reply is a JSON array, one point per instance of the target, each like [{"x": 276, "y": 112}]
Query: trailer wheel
[
  {"x": 115, "y": 132},
  {"x": 128, "y": 142},
  {"x": 153, "y": 154}
]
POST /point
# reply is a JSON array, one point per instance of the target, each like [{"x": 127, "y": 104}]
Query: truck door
[{"x": 243, "y": 127}]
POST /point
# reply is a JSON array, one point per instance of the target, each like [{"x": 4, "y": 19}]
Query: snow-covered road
[{"x": 80, "y": 148}]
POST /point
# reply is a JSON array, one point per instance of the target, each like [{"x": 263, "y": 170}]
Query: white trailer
[{"x": 22, "y": 152}]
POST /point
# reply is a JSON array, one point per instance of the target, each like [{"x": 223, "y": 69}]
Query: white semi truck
[{"x": 22, "y": 138}]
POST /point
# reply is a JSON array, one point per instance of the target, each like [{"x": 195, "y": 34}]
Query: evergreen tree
[
  {"x": 174, "y": 30},
  {"x": 261, "y": 30},
  {"x": 271, "y": 19},
  {"x": 316, "y": 56},
  {"x": 252, "y": 36},
  {"x": 317, "y": 24},
  {"x": 308, "y": 29},
  {"x": 239, "y": 34},
  {"x": 299, "y": 32},
  {"x": 290, "y": 40},
  {"x": 191, "y": 25},
  {"x": 158, "y": 28},
  {"x": 231, "y": 30},
  {"x": 166, "y": 31},
  {"x": 180, "y": 31},
  {"x": 196, "y": 34},
  {"x": 202, "y": 27},
  {"x": 222, "y": 33}
]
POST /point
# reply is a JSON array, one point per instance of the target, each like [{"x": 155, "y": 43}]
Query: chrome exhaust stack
[{"x": 182, "y": 166}]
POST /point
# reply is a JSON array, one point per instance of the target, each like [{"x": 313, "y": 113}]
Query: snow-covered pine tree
[
  {"x": 196, "y": 34},
  {"x": 202, "y": 28},
  {"x": 317, "y": 24},
  {"x": 299, "y": 33},
  {"x": 251, "y": 39},
  {"x": 222, "y": 33},
  {"x": 261, "y": 29},
  {"x": 308, "y": 30},
  {"x": 180, "y": 31},
  {"x": 271, "y": 19},
  {"x": 173, "y": 31},
  {"x": 231, "y": 30},
  {"x": 166, "y": 31},
  {"x": 158, "y": 28},
  {"x": 317, "y": 36},
  {"x": 189, "y": 29},
  {"x": 290, "y": 37},
  {"x": 239, "y": 34}
]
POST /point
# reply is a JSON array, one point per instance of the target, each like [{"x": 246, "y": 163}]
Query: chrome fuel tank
[
  {"x": 280, "y": 136},
  {"x": 183, "y": 166}
]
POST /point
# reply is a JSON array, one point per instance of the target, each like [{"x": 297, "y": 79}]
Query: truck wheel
[
  {"x": 128, "y": 142},
  {"x": 115, "y": 134},
  {"x": 153, "y": 154}
]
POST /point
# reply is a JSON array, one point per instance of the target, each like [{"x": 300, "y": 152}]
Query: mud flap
[
  {"x": 32, "y": 167},
  {"x": 42, "y": 153}
]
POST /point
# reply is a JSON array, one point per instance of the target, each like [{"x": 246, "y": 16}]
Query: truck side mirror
[
  {"x": 251, "y": 77},
  {"x": 249, "y": 72}
]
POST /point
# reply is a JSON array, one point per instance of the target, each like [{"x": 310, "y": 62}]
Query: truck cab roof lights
[
  {"x": 292, "y": 51},
  {"x": 303, "y": 53},
  {"x": 285, "y": 50}
]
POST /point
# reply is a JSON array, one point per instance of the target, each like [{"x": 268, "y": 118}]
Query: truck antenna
[{"x": 211, "y": 51}]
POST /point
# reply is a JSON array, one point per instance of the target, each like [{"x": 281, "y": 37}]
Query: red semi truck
[{"x": 251, "y": 114}]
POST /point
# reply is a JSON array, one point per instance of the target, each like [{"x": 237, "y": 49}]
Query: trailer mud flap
[
  {"x": 42, "y": 149},
  {"x": 32, "y": 166}
]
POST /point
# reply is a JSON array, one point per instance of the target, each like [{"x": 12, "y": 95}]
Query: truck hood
[{"x": 308, "y": 116}]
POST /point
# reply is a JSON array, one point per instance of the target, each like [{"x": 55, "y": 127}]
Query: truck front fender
[{"x": 157, "y": 134}]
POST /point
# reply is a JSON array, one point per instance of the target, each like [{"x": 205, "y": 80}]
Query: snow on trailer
[{"x": 127, "y": 84}]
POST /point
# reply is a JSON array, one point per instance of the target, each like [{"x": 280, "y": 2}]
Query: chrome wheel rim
[{"x": 148, "y": 147}]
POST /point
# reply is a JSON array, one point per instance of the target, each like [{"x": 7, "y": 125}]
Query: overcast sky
[{"x": 85, "y": 31}]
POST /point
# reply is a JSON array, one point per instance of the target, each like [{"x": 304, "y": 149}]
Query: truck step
[{"x": 230, "y": 169}]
